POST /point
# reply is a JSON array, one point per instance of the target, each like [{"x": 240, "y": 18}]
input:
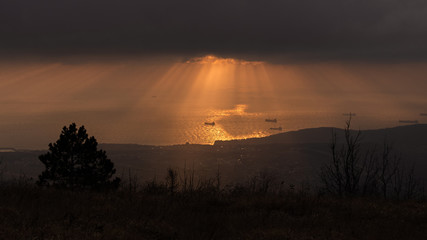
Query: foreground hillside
[
  {"x": 28, "y": 212},
  {"x": 249, "y": 189}
]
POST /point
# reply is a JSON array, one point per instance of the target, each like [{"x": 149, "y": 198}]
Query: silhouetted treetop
[{"x": 74, "y": 161}]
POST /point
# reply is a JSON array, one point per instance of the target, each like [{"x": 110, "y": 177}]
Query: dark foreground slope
[
  {"x": 27, "y": 212},
  {"x": 151, "y": 210}
]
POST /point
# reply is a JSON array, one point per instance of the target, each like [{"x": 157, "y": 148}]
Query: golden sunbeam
[
  {"x": 218, "y": 80},
  {"x": 213, "y": 84},
  {"x": 168, "y": 102}
]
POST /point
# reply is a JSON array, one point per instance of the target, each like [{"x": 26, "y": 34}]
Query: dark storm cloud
[{"x": 279, "y": 29}]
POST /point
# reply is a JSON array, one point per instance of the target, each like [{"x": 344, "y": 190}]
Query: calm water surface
[{"x": 238, "y": 123}]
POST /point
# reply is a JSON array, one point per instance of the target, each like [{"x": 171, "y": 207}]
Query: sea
[{"x": 206, "y": 126}]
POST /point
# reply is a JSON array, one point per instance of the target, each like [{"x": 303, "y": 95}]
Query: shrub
[{"x": 373, "y": 172}]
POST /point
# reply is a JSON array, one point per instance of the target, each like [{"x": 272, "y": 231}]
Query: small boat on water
[
  {"x": 278, "y": 128},
  {"x": 408, "y": 121},
  {"x": 210, "y": 123},
  {"x": 271, "y": 120}
]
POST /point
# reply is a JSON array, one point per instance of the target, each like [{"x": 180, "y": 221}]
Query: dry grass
[{"x": 29, "y": 212}]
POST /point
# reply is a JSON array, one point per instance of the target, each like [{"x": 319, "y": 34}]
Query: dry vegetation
[
  {"x": 157, "y": 211},
  {"x": 364, "y": 196}
]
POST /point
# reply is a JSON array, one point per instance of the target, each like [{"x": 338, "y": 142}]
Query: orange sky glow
[{"x": 120, "y": 101}]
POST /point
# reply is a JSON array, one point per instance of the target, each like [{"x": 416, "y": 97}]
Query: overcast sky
[{"x": 377, "y": 30}]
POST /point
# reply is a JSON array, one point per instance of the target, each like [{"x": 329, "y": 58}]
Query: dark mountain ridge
[
  {"x": 293, "y": 156},
  {"x": 409, "y": 135}
]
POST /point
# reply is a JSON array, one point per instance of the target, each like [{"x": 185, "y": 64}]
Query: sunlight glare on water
[
  {"x": 167, "y": 101},
  {"x": 230, "y": 124}
]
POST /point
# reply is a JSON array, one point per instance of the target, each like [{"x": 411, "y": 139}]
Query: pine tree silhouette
[{"x": 74, "y": 162}]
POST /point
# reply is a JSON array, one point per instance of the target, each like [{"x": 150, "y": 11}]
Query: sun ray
[{"x": 167, "y": 102}]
